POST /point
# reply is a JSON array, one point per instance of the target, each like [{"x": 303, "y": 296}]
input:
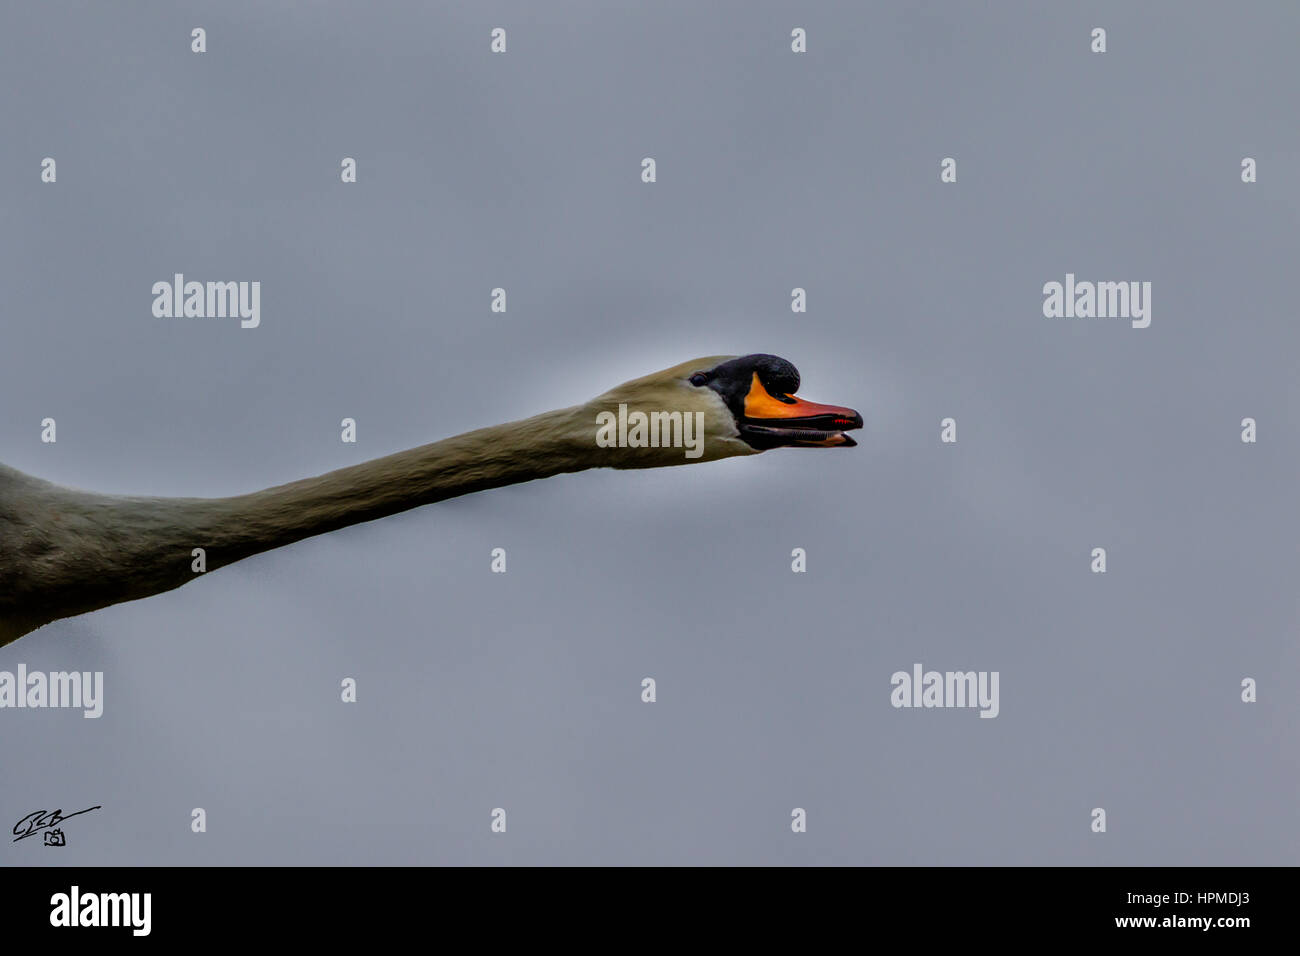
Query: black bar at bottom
[{"x": 375, "y": 905}]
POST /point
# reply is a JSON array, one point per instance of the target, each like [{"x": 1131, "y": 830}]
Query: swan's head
[{"x": 728, "y": 406}]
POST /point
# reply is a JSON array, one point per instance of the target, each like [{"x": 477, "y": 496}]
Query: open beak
[{"x": 773, "y": 421}]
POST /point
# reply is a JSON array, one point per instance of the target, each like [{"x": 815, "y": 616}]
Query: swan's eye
[{"x": 699, "y": 378}]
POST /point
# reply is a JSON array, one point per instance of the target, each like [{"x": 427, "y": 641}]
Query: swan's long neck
[
  {"x": 65, "y": 552},
  {"x": 537, "y": 447}
]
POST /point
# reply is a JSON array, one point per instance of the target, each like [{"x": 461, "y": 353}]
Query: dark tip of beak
[{"x": 849, "y": 442}]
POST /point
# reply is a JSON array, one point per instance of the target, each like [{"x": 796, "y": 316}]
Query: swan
[{"x": 65, "y": 552}]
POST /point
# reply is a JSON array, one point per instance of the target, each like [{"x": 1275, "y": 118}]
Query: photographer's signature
[{"x": 39, "y": 820}]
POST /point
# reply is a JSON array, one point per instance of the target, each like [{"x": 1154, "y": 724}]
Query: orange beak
[{"x": 792, "y": 421}]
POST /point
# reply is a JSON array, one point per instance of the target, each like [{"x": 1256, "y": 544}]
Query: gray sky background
[{"x": 522, "y": 691}]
